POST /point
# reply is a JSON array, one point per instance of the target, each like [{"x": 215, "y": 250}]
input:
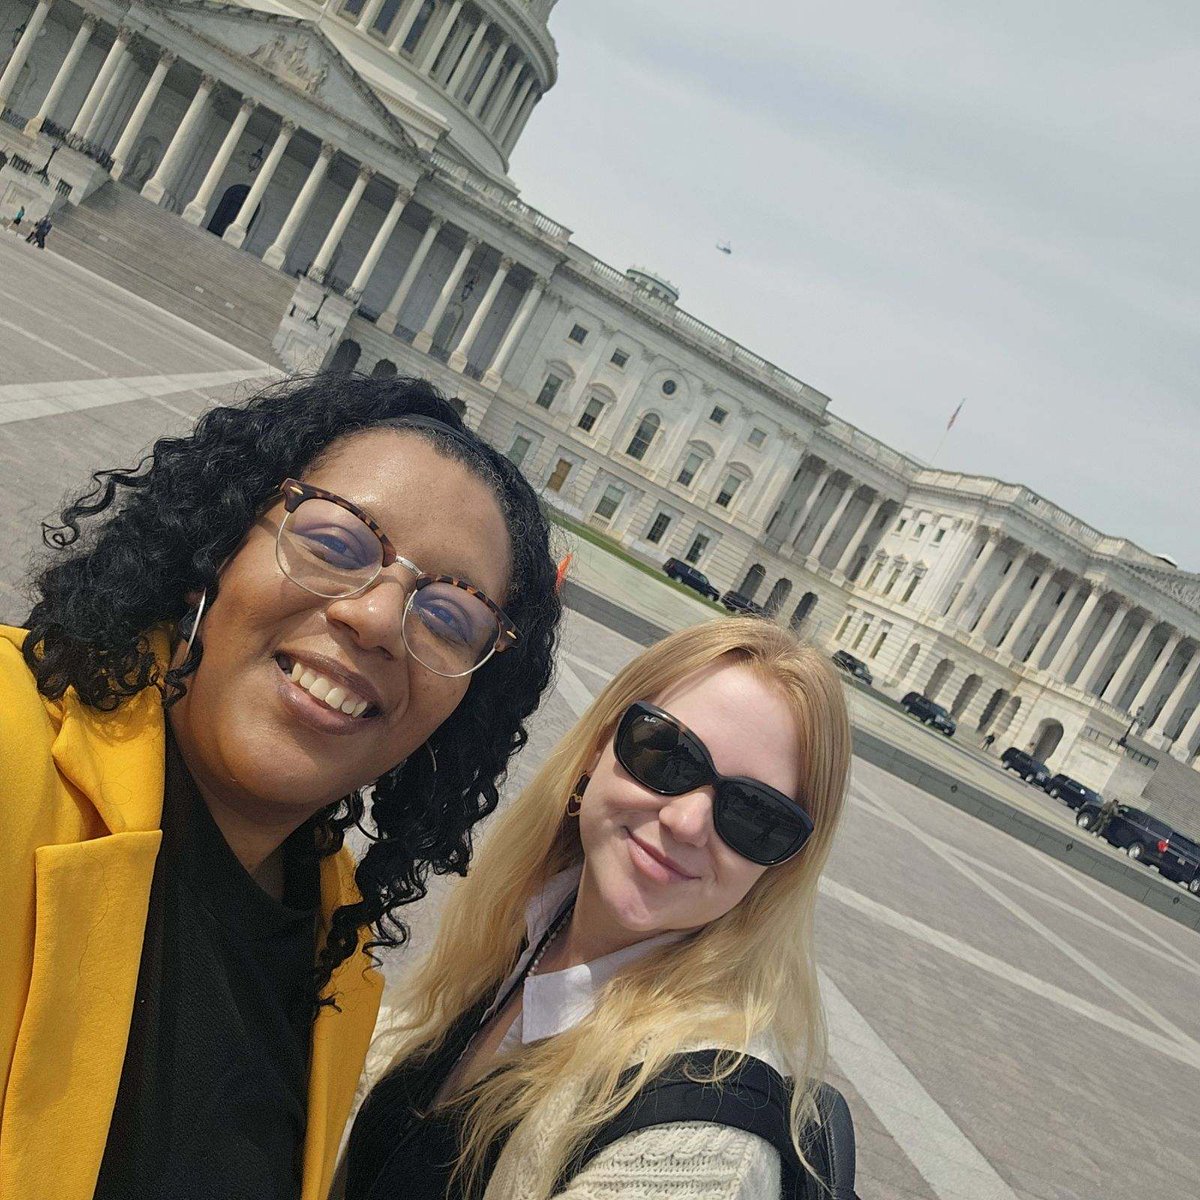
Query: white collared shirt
[{"x": 556, "y": 1001}]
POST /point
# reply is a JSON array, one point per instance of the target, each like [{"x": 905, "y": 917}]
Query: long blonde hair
[{"x": 750, "y": 972}]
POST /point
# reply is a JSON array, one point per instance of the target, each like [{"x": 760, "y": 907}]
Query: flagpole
[{"x": 946, "y": 432}]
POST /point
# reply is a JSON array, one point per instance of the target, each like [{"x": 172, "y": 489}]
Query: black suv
[
  {"x": 1025, "y": 765},
  {"x": 685, "y": 573},
  {"x": 1071, "y": 791},
  {"x": 929, "y": 713},
  {"x": 735, "y": 602},
  {"x": 853, "y": 666},
  {"x": 1181, "y": 862},
  {"x": 1143, "y": 837}
]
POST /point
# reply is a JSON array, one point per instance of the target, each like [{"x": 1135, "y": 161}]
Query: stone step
[{"x": 157, "y": 255}]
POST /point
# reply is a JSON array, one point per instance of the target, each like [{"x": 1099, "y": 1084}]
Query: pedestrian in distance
[
  {"x": 19, "y": 218},
  {"x": 40, "y": 232},
  {"x": 1107, "y": 810},
  {"x": 332, "y": 607},
  {"x": 988, "y": 742},
  {"x": 650, "y": 895}
]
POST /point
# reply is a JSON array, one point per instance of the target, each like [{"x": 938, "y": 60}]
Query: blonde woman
[{"x": 650, "y": 894}]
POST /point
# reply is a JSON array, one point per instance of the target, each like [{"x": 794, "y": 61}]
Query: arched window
[
  {"x": 345, "y": 357},
  {"x": 643, "y": 436}
]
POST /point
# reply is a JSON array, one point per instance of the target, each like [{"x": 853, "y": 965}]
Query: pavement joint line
[
  {"x": 949, "y": 1162},
  {"x": 1170, "y": 954},
  {"x": 1007, "y": 973},
  {"x": 1168, "y": 950},
  {"x": 577, "y": 695},
  {"x": 54, "y": 349},
  {"x": 74, "y": 330},
  {"x": 1151, "y": 1014},
  {"x": 165, "y": 316}
]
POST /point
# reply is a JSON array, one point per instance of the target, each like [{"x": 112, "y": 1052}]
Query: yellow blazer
[{"x": 81, "y": 796}]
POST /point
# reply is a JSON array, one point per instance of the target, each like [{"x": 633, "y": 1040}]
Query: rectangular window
[
  {"x": 874, "y": 575},
  {"x": 549, "y": 390},
  {"x": 757, "y": 437},
  {"x": 900, "y": 524},
  {"x": 938, "y": 534},
  {"x": 658, "y": 528},
  {"x": 558, "y": 476},
  {"x": 578, "y": 334},
  {"x": 919, "y": 532},
  {"x": 718, "y": 415},
  {"x": 353, "y": 7},
  {"x": 518, "y": 450},
  {"x": 912, "y": 587},
  {"x": 728, "y": 490},
  {"x": 878, "y": 644},
  {"x": 841, "y": 633},
  {"x": 609, "y": 502},
  {"x": 862, "y": 633},
  {"x": 689, "y": 469},
  {"x": 697, "y": 548},
  {"x": 591, "y": 414},
  {"x": 891, "y": 583},
  {"x": 619, "y": 359}
]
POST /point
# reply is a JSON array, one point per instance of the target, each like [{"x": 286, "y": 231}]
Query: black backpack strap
[{"x": 755, "y": 1098}]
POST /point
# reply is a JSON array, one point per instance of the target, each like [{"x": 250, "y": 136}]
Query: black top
[{"x": 213, "y": 1093}]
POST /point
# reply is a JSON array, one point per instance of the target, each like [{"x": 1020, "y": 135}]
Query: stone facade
[{"x": 362, "y": 146}]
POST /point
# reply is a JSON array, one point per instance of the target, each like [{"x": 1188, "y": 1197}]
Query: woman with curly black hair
[{"x": 333, "y": 606}]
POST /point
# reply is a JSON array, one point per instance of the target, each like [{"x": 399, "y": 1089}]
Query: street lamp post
[{"x": 1123, "y": 740}]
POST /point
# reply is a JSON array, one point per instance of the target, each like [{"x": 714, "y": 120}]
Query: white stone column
[
  {"x": 448, "y": 17},
  {"x": 21, "y": 51},
  {"x": 774, "y": 483},
  {"x": 977, "y": 567},
  {"x": 1061, "y": 662},
  {"x": 118, "y": 56},
  {"x": 835, "y": 518},
  {"x": 861, "y": 532},
  {"x": 277, "y": 252},
  {"x": 1184, "y": 740},
  {"x": 1089, "y": 677},
  {"x": 797, "y": 525},
  {"x": 54, "y": 95},
  {"x": 505, "y": 124},
  {"x": 369, "y": 13},
  {"x": 235, "y": 234},
  {"x": 337, "y": 230},
  {"x": 1046, "y": 640},
  {"x": 83, "y": 118},
  {"x": 489, "y": 78},
  {"x": 1156, "y": 672},
  {"x": 1123, "y": 673},
  {"x": 1036, "y": 595},
  {"x": 404, "y": 24},
  {"x": 194, "y": 213},
  {"x": 363, "y": 275},
  {"x": 390, "y": 315},
  {"x": 466, "y": 63},
  {"x": 495, "y": 372},
  {"x": 1170, "y": 710},
  {"x": 458, "y": 360},
  {"x": 504, "y": 93},
  {"x": 424, "y": 340},
  {"x": 520, "y": 120},
  {"x": 158, "y": 185},
  {"x": 133, "y": 127},
  {"x": 1000, "y": 596}
]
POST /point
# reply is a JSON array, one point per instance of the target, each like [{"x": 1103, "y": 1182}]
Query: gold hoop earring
[{"x": 575, "y": 799}]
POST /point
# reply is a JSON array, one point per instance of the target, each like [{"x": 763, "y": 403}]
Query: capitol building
[{"x": 327, "y": 183}]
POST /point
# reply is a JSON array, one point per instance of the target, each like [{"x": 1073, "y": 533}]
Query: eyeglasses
[
  {"x": 331, "y": 547},
  {"x": 752, "y": 819}
]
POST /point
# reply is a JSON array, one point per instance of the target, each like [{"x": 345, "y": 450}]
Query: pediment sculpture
[{"x": 287, "y": 58}]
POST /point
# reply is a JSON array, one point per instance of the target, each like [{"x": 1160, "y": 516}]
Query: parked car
[
  {"x": 737, "y": 603},
  {"x": 1063, "y": 787},
  {"x": 686, "y": 574},
  {"x": 1025, "y": 765},
  {"x": 1143, "y": 837},
  {"x": 929, "y": 713},
  {"x": 853, "y": 666},
  {"x": 1181, "y": 862}
]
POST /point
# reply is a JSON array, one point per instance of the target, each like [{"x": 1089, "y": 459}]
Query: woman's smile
[{"x": 654, "y": 864}]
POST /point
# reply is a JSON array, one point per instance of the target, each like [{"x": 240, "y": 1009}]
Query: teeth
[{"x": 335, "y": 695}]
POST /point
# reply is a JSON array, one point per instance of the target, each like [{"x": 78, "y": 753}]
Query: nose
[
  {"x": 375, "y": 618},
  {"x": 689, "y": 818}
]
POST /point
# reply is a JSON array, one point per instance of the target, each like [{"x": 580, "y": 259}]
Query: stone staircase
[{"x": 157, "y": 255}]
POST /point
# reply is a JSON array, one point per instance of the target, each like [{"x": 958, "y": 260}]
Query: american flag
[{"x": 954, "y": 416}]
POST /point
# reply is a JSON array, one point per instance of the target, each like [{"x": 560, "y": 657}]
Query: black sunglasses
[{"x": 752, "y": 819}]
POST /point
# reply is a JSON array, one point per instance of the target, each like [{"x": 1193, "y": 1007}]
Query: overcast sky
[{"x": 926, "y": 202}]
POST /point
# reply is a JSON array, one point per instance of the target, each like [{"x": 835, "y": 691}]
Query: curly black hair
[{"x": 169, "y": 523}]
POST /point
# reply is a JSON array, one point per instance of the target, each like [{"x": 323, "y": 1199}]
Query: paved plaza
[{"x": 1001, "y": 1025}]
